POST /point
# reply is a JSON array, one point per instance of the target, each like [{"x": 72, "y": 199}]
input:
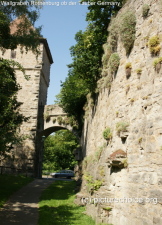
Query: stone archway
[{"x": 54, "y": 120}]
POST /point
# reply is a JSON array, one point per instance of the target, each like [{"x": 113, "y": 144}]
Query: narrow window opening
[
  {"x": 13, "y": 54},
  {"x": 115, "y": 169},
  {"x": 123, "y": 139}
]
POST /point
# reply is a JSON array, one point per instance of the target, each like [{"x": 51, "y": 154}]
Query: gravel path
[{"x": 22, "y": 208}]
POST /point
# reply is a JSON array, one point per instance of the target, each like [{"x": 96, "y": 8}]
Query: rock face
[{"x": 130, "y": 193}]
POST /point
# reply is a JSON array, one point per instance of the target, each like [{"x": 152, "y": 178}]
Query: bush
[
  {"x": 114, "y": 62},
  {"x": 46, "y": 117},
  {"x": 157, "y": 64},
  {"x": 113, "y": 33},
  {"x": 122, "y": 127},
  {"x": 59, "y": 120},
  {"x": 128, "y": 65},
  {"x": 139, "y": 71},
  {"x": 154, "y": 45},
  {"x": 127, "y": 30},
  {"x": 54, "y": 120},
  {"x": 107, "y": 54},
  {"x": 93, "y": 185},
  {"x": 145, "y": 10},
  {"x": 107, "y": 134},
  {"x": 156, "y": 61}
]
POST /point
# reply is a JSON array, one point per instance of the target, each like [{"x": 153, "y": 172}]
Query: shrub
[
  {"x": 107, "y": 54},
  {"x": 113, "y": 30},
  {"x": 140, "y": 140},
  {"x": 139, "y": 71},
  {"x": 127, "y": 30},
  {"x": 107, "y": 208},
  {"x": 107, "y": 134},
  {"x": 93, "y": 185},
  {"x": 156, "y": 61},
  {"x": 59, "y": 120},
  {"x": 154, "y": 45},
  {"x": 157, "y": 64},
  {"x": 145, "y": 10},
  {"x": 128, "y": 68},
  {"x": 114, "y": 62},
  {"x": 128, "y": 65},
  {"x": 47, "y": 117},
  {"x": 122, "y": 127},
  {"x": 98, "y": 153},
  {"x": 54, "y": 120},
  {"x": 125, "y": 163}
]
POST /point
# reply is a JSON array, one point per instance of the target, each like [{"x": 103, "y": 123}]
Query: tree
[
  {"x": 58, "y": 151},
  {"x": 26, "y": 36},
  {"x": 72, "y": 96},
  {"x": 10, "y": 118},
  {"x": 85, "y": 70}
]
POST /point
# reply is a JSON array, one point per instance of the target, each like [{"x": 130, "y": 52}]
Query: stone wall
[{"x": 129, "y": 164}]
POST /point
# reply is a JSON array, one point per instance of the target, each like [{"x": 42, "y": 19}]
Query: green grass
[
  {"x": 56, "y": 206},
  {"x": 10, "y": 184}
]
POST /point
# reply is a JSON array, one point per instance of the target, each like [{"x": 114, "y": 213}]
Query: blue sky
[{"x": 60, "y": 24}]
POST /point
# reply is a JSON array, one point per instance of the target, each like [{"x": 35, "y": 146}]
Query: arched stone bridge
[{"x": 56, "y": 119}]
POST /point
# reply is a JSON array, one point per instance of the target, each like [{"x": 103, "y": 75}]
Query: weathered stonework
[
  {"x": 140, "y": 106},
  {"x": 33, "y": 95}
]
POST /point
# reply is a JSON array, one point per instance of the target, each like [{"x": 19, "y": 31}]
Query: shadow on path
[{"x": 22, "y": 208}]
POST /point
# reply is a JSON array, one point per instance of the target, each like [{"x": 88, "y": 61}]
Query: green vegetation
[
  {"x": 98, "y": 153},
  {"x": 92, "y": 185},
  {"x": 139, "y": 71},
  {"x": 154, "y": 45},
  {"x": 108, "y": 208},
  {"x": 10, "y": 117},
  {"x": 87, "y": 54},
  {"x": 114, "y": 61},
  {"x": 54, "y": 120},
  {"x": 10, "y": 184},
  {"x": 106, "y": 55},
  {"x": 125, "y": 163},
  {"x": 113, "y": 30},
  {"x": 59, "y": 120},
  {"x": 57, "y": 206},
  {"x": 156, "y": 61},
  {"x": 122, "y": 126},
  {"x": 140, "y": 140},
  {"x": 47, "y": 116},
  {"x": 128, "y": 65},
  {"x": 107, "y": 134},
  {"x": 145, "y": 10},
  {"x": 58, "y": 151},
  {"x": 25, "y": 36},
  {"x": 127, "y": 30}
]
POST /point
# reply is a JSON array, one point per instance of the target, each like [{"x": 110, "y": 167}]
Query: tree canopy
[
  {"x": 58, "y": 151},
  {"x": 24, "y": 34},
  {"x": 85, "y": 70}
]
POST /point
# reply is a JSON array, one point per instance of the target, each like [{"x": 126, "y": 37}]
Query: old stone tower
[{"x": 33, "y": 94}]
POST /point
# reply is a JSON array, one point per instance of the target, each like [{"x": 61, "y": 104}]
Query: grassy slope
[
  {"x": 56, "y": 206},
  {"x": 9, "y": 184}
]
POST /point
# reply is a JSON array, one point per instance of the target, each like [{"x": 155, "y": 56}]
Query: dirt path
[{"x": 22, "y": 208}]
